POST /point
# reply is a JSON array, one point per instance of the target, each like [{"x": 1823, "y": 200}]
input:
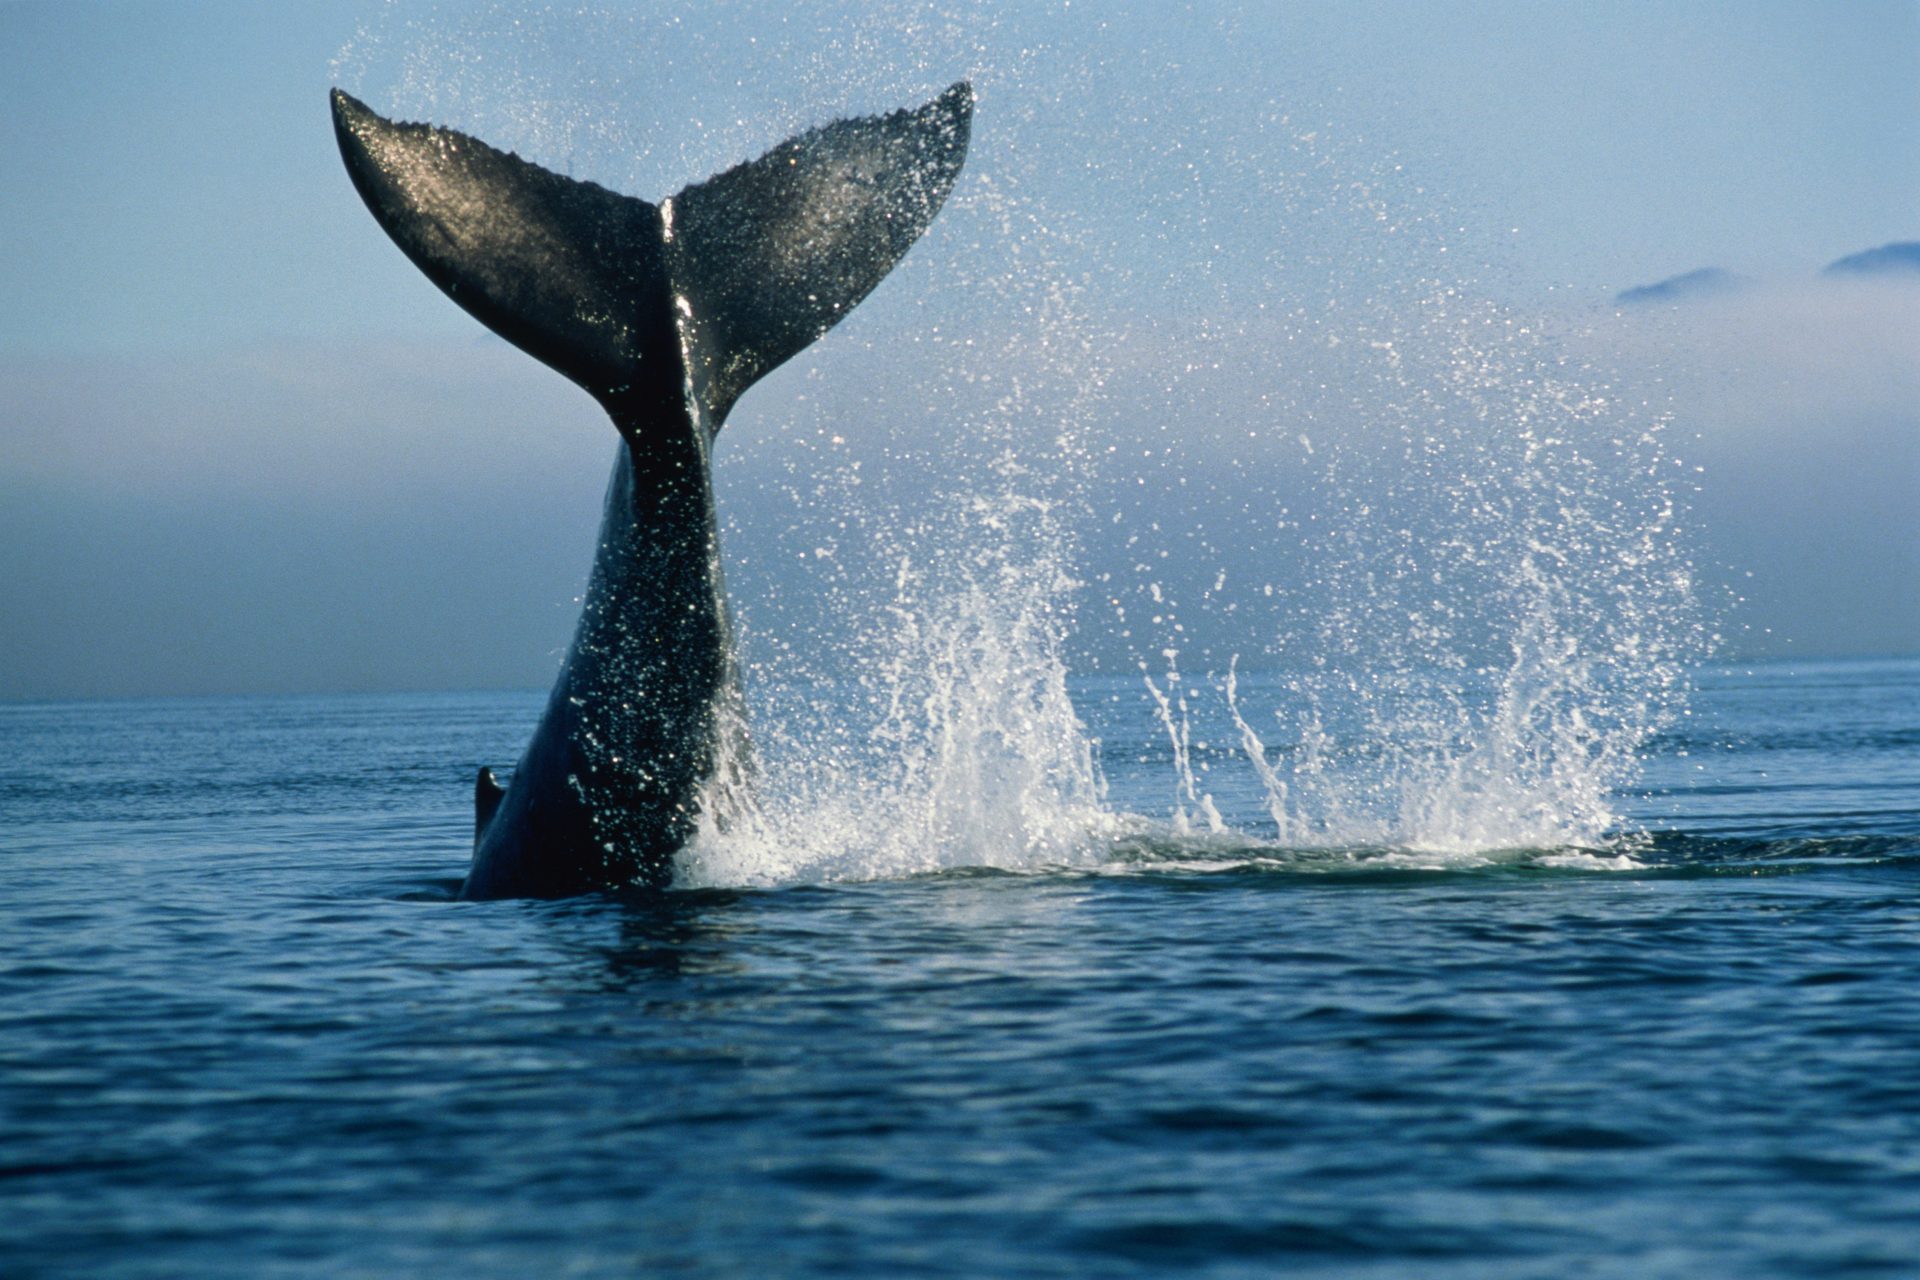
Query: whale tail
[{"x": 737, "y": 273}]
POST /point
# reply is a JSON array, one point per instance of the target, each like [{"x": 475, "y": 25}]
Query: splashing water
[
  {"x": 1231, "y": 408},
  {"x": 1515, "y": 627},
  {"x": 976, "y": 756},
  {"x": 927, "y": 724},
  {"x": 1496, "y": 619},
  {"x": 1440, "y": 564}
]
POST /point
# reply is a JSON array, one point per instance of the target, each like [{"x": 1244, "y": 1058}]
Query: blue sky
[{"x": 244, "y": 446}]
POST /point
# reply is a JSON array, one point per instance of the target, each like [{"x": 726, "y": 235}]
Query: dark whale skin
[{"x": 666, "y": 314}]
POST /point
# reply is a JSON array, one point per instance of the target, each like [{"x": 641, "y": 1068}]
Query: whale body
[{"x": 666, "y": 313}]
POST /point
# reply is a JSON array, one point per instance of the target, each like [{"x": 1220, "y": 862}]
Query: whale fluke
[
  {"x": 772, "y": 253},
  {"x": 666, "y": 313},
  {"x": 758, "y": 261}
]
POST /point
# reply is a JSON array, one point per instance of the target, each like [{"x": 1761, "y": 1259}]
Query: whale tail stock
[
  {"x": 666, "y": 314},
  {"x": 735, "y": 274}
]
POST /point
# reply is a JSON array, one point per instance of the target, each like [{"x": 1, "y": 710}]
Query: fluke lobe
[{"x": 666, "y": 313}]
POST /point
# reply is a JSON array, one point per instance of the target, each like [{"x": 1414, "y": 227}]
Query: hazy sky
[{"x": 244, "y": 446}]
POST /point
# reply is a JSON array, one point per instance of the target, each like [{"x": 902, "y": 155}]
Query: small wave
[
  {"x": 1104, "y": 844},
  {"x": 1166, "y": 849},
  {"x": 1710, "y": 854}
]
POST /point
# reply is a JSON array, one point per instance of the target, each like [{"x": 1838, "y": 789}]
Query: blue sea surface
[{"x": 245, "y": 1031}]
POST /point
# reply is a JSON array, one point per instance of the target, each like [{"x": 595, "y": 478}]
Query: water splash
[
  {"x": 1498, "y": 619},
  {"x": 1176, "y": 721},
  {"x": 1516, "y": 627},
  {"x": 1453, "y": 555},
  {"x": 1225, "y": 395},
  {"x": 923, "y": 720},
  {"x": 974, "y": 755}
]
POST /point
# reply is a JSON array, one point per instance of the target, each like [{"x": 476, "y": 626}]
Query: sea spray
[
  {"x": 925, "y": 722},
  {"x": 973, "y": 756},
  {"x": 1170, "y": 708},
  {"x": 1433, "y": 567},
  {"x": 1425, "y": 575},
  {"x": 1500, "y": 625},
  {"x": 1473, "y": 611}
]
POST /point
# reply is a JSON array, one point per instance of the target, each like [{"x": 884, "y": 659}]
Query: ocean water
[
  {"x": 1462, "y": 925},
  {"x": 1173, "y": 1016}
]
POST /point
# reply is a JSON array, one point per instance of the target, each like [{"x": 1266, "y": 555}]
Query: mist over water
[{"x": 1395, "y": 575}]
